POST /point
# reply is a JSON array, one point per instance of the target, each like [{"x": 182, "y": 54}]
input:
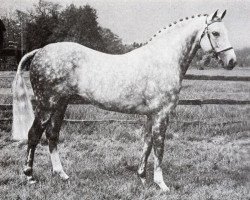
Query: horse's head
[{"x": 214, "y": 38}]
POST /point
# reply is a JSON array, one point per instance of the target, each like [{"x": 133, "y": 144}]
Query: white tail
[{"x": 23, "y": 115}]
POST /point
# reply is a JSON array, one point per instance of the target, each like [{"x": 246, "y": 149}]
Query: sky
[{"x": 138, "y": 20}]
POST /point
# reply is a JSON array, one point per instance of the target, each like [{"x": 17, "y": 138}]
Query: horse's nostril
[{"x": 231, "y": 63}]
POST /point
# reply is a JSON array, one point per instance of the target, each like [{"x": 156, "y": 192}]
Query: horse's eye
[{"x": 216, "y": 34}]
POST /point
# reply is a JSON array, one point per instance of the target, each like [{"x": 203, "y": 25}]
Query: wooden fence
[
  {"x": 187, "y": 77},
  {"x": 216, "y": 78}
]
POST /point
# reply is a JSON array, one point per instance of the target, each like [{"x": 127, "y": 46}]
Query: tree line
[
  {"x": 49, "y": 22},
  {"x": 206, "y": 60}
]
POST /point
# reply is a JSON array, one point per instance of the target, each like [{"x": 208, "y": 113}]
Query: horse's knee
[{"x": 35, "y": 132}]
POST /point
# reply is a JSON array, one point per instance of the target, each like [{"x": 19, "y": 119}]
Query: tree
[
  {"x": 204, "y": 60},
  {"x": 48, "y": 22},
  {"x": 41, "y": 24},
  {"x": 12, "y": 29},
  {"x": 243, "y": 57},
  {"x": 79, "y": 25},
  {"x": 131, "y": 47},
  {"x": 113, "y": 44}
]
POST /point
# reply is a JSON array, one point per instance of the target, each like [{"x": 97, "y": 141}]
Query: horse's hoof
[
  {"x": 143, "y": 181},
  {"x": 165, "y": 189},
  {"x": 62, "y": 175},
  {"x": 27, "y": 171},
  {"x": 31, "y": 180}
]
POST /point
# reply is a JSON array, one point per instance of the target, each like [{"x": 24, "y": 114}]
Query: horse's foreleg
[
  {"x": 52, "y": 134},
  {"x": 146, "y": 151},
  {"x": 34, "y": 135},
  {"x": 158, "y": 130}
]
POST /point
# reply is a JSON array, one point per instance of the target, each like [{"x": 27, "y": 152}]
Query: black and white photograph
[{"x": 125, "y": 99}]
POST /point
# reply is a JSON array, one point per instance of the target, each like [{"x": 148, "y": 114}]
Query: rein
[{"x": 216, "y": 53}]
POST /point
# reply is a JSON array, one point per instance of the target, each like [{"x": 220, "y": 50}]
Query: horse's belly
[
  {"x": 114, "y": 99},
  {"x": 125, "y": 99}
]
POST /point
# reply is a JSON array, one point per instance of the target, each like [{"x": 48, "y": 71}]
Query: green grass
[{"x": 205, "y": 158}]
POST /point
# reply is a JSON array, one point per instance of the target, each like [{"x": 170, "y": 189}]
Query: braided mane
[{"x": 171, "y": 25}]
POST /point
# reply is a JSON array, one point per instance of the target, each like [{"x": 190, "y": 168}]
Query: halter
[{"x": 216, "y": 53}]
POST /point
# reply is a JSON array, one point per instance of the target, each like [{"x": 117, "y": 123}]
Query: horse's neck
[{"x": 179, "y": 44}]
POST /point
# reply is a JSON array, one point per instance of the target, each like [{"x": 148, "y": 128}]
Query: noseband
[{"x": 216, "y": 53}]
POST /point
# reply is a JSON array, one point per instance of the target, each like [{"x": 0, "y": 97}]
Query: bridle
[{"x": 216, "y": 53}]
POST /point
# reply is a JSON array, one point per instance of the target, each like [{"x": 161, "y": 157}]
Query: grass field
[{"x": 207, "y": 152}]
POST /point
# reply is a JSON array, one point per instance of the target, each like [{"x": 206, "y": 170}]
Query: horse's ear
[
  {"x": 223, "y": 14},
  {"x": 214, "y": 15}
]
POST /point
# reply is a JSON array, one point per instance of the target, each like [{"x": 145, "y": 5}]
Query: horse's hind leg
[
  {"x": 42, "y": 117},
  {"x": 148, "y": 143},
  {"x": 52, "y": 134},
  {"x": 158, "y": 130}
]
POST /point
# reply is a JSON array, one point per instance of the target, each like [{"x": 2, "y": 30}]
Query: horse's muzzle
[{"x": 231, "y": 64}]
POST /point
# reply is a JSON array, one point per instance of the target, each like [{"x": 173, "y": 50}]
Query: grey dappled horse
[{"x": 145, "y": 81}]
